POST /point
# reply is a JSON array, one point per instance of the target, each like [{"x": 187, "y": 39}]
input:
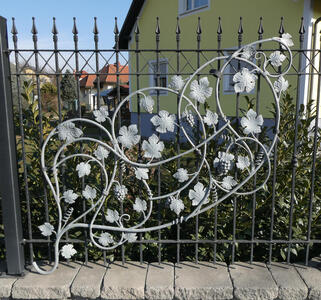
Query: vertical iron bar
[
  {"x": 11, "y": 213},
  {"x": 56, "y": 52},
  {"x": 116, "y": 33},
  {"x": 141, "y": 259},
  {"x": 178, "y": 33},
  {"x": 157, "y": 35},
  {"x": 34, "y": 32},
  {"x": 219, "y": 39},
  {"x": 96, "y": 32},
  {"x": 275, "y": 164},
  {"x": 198, "y": 51},
  {"x": 295, "y": 148},
  {"x": 314, "y": 156},
  {"x": 260, "y": 33},
  {"x": 22, "y": 134},
  {"x": 240, "y": 32},
  {"x": 78, "y": 76}
]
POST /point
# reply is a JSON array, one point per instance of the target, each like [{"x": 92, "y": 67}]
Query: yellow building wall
[{"x": 230, "y": 12}]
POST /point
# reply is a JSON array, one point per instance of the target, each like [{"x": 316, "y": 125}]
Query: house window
[
  {"x": 162, "y": 77},
  {"x": 193, "y": 4},
  {"x": 188, "y": 6}
]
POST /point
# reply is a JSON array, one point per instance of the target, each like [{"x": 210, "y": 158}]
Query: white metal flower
[
  {"x": 69, "y": 196},
  {"x": 287, "y": 40},
  {"x": 222, "y": 156},
  {"x": 147, "y": 103},
  {"x": 83, "y": 169},
  {"x": 248, "y": 52},
  {"x": 164, "y": 122},
  {"x": 89, "y": 192},
  {"x": 120, "y": 192},
  {"x": 67, "y": 251},
  {"x": 211, "y": 118},
  {"x": 251, "y": 122},
  {"x": 128, "y": 136},
  {"x": 281, "y": 85},
  {"x": 189, "y": 117},
  {"x": 68, "y": 132},
  {"x": 198, "y": 194},
  {"x": 141, "y": 173},
  {"x": 181, "y": 175},
  {"x": 176, "y": 205},
  {"x": 112, "y": 215},
  {"x": 101, "y": 152},
  {"x": 277, "y": 58},
  {"x": 139, "y": 205},
  {"x": 228, "y": 182},
  {"x": 177, "y": 83},
  {"x": 244, "y": 80},
  {"x": 46, "y": 229},
  {"x": 243, "y": 162},
  {"x": 201, "y": 91},
  {"x": 130, "y": 237},
  {"x": 105, "y": 239},
  {"x": 153, "y": 147},
  {"x": 101, "y": 114}
]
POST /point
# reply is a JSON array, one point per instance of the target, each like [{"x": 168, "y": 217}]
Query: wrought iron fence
[{"x": 279, "y": 222}]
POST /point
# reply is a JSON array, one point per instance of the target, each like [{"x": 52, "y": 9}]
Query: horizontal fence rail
[{"x": 280, "y": 222}]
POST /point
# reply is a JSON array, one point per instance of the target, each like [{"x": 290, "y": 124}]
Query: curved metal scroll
[{"x": 121, "y": 148}]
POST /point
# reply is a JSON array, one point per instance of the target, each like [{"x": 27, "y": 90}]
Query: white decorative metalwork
[{"x": 202, "y": 194}]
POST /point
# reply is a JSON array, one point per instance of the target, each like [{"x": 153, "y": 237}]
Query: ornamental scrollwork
[{"x": 109, "y": 226}]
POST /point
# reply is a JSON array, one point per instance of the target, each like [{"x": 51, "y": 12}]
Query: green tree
[
  {"x": 68, "y": 88},
  {"x": 49, "y": 95}
]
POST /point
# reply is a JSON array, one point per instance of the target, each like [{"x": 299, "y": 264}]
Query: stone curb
[{"x": 169, "y": 281}]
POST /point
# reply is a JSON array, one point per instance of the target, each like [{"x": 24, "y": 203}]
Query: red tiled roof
[
  {"x": 87, "y": 81},
  {"x": 83, "y": 74},
  {"x": 108, "y": 75}
]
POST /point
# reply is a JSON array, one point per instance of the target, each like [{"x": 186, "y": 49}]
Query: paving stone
[
  {"x": 53, "y": 286},
  {"x": 160, "y": 281},
  {"x": 291, "y": 286},
  {"x": 252, "y": 281},
  {"x": 124, "y": 281},
  {"x": 88, "y": 281},
  {"x": 202, "y": 281},
  {"x": 6, "y": 286},
  {"x": 311, "y": 275}
]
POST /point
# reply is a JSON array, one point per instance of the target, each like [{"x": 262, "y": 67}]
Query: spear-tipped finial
[
  {"x": 260, "y": 30},
  {"x": 34, "y": 29},
  {"x": 157, "y": 30},
  {"x": 199, "y": 28},
  {"x": 178, "y": 28},
  {"x": 219, "y": 27},
  {"x": 74, "y": 28},
  {"x": 14, "y": 28},
  {"x": 116, "y": 31},
  {"x": 137, "y": 27},
  {"x": 302, "y": 29},
  {"x": 54, "y": 27},
  {"x": 281, "y": 30},
  {"x": 240, "y": 30},
  {"x": 95, "y": 30}
]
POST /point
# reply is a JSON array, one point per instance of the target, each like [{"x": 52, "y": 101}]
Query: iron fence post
[{"x": 9, "y": 188}]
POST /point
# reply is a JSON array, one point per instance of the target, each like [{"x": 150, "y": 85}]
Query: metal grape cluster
[{"x": 120, "y": 146}]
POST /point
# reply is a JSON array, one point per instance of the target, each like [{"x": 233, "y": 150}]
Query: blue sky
[{"x": 64, "y": 11}]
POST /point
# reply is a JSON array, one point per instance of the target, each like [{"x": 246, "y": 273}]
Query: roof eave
[{"x": 133, "y": 13}]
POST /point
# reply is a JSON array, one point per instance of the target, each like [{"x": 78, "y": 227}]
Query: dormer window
[{"x": 191, "y": 6}]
